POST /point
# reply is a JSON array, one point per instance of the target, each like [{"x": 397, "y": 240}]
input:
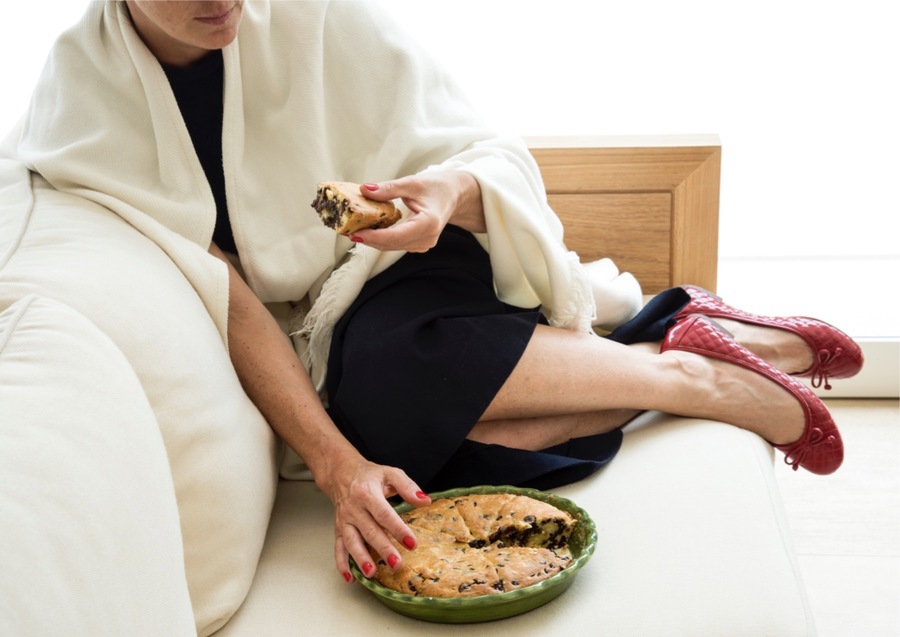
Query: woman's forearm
[{"x": 278, "y": 384}]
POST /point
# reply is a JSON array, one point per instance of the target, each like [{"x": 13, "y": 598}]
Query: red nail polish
[
  {"x": 356, "y": 240},
  {"x": 370, "y": 186},
  {"x": 392, "y": 560},
  {"x": 368, "y": 567},
  {"x": 421, "y": 495},
  {"x": 347, "y": 577},
  {"x": 409, "y": 542}
]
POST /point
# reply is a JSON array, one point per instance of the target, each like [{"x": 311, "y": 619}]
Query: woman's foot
[
  {"x": 786, "y": 350},
  {"x": 811, "y": 441},
  {"x": 797, "y": 345}
]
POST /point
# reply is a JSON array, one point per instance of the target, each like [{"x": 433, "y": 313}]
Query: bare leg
[
  {"x": 545, "y": 431},
  {"x": 562, "y": 373}
]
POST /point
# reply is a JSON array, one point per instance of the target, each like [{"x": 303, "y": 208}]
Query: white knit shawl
[{"x": 313, "y": 91}]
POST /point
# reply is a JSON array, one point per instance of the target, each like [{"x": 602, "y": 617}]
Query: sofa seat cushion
[
  {"x": 693, "y": 540},
  {"x": 221, "y": 451},
  {"x": 90, "y": 535}
]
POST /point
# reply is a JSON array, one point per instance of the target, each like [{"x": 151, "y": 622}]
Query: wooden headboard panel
[{"x": 649, "y": 204}]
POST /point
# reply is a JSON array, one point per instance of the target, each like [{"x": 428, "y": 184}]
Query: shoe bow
[
  {"x": 826, "y": 358},
  {"x": 815, "y": 438}
]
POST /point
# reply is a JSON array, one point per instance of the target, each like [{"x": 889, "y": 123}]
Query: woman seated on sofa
[{"x": 453, "y": 348}]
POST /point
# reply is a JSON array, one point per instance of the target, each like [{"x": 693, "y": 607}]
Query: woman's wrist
[
  {"x": 468, "y": 213},
  {"x": 327, "y": 464}
]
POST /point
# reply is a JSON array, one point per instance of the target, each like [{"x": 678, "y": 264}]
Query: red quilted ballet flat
[
  {"x": 820, "y": 448},
  {"x": 835, "y": 355}
]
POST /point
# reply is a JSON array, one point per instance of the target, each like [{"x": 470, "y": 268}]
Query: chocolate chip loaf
[
  {"x": 342, "y": 208},
  {"x": 480, "y": 545}
]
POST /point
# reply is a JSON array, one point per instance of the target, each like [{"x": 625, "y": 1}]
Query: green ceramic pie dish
[{"x": 463, "y": 610}]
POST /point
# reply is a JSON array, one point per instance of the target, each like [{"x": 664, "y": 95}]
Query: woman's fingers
[
  {"x": 341, "y": 559},
  {"x": 430, "y": 199},
  {"x": 418, "y": 233},
  {"x": 402, "y": 188},
  {"x": 366, "y": 522},
  {"x": 399, "y": 483},
  {"x": 407, "y": 489},
  {"x": 354, "y": 545}
]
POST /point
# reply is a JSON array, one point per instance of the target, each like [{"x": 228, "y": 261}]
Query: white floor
[{"x": 846, "y": 526}]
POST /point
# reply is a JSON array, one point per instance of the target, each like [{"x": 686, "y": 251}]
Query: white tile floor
[{"x": 846, "y": 526}]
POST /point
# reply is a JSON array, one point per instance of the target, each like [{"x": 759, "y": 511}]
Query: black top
[{"x": 199, "y": 91}]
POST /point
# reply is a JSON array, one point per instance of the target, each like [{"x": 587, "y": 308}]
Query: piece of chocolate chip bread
[{"x": 342, "y": 208}]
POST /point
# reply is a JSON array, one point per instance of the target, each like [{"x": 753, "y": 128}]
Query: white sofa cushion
[
  {"x": 221, "y": 450},
  {"x": 90, "y": 539},
  {"x": 693, "y": 541}
]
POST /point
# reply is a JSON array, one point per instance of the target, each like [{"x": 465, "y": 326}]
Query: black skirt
[{"x": 422, "y": 352}]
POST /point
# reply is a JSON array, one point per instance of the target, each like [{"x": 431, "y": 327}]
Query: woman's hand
[
  {"x": 434, "y": 200},
  {"x": 363, "y": 517}
]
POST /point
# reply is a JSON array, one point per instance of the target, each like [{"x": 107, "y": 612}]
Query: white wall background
[{"x": 802, "y": 94}]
